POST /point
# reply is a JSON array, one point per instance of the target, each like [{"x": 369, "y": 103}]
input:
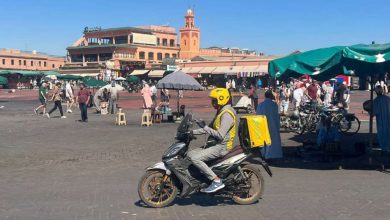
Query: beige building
[
  {"x": 11, "y": 59},
  {"x": 140, "y": 48}
]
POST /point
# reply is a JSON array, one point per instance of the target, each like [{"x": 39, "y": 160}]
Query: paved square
[{"x": 61, "y": 169}]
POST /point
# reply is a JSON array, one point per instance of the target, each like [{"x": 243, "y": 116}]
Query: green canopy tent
[
  {"x": 364, "y": 60},
  {"x": 371, "y": 60},
  {"x": 133, "y": 79},
  {"x": 92, "y": 82},
  {"x": 320, "y": 64},
  {"x": 51, "y": 73},
  {"x": 69, "y": 77},
  {"x": 3, "y": 81}
]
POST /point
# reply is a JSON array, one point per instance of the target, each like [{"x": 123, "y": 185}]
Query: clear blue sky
[{"x": 271, "y": 26}]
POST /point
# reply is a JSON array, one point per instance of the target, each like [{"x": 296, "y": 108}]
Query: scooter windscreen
[{"x": 184, "y": 125}]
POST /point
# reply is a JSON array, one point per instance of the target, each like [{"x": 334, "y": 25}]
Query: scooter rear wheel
[
  {"x": 254, "y": 185},
  {"x": 156, "y": 189}
]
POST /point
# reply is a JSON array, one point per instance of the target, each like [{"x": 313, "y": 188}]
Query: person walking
[
  {"x": 42, "y": 98},
  {"x": 69, "y": 97},
  {"x": 112, "y": 98},
  {"x": 56, "y": 97},
  {"x": 83, "y": 99}
]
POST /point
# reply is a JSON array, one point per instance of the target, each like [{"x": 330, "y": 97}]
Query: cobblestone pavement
[{"x": 61, "y": 169}]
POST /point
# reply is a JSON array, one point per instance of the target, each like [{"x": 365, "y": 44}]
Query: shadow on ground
[{"x": 353, "y": 154}]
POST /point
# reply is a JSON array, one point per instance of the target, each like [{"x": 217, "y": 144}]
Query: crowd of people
[{"x": 72, "y": 94}]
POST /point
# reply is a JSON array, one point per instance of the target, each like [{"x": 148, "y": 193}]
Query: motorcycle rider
[{"x": 222, "y": 131}]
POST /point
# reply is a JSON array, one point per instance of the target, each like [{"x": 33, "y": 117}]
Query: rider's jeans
[{"x": 199, "y": 155}]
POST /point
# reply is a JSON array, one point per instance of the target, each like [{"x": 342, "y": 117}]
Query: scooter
[{"x": 176, "y": 176}]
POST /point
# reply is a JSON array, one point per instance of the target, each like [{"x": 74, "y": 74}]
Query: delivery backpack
[{"x": 253, "y": 132}]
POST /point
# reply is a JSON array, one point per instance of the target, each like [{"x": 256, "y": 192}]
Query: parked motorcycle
[
  {"x": 176, "y": 176},
  {"x": 293, "y": 122}
]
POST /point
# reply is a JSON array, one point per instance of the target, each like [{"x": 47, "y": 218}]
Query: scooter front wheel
[{"x": 156, "y": 189}]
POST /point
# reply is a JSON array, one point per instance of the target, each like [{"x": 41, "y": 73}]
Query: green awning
[
  {"x": 326, "y": 63},
  {"x": 69, "y": 77},
  {"x": 3, "y": 81},
  {"x": 319, "y": 64},
  {"x": 133, "y": 79},
  {"x": 92, "y": 82},
  {"x": 25, "y": 73},
  {"x": 51, "y": 73}
]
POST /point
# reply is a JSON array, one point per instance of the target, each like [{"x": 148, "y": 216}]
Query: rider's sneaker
[{"x": 214, "y": 186}]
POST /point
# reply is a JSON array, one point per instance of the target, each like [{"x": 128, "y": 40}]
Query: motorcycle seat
[{"x": 236, "y": 150}]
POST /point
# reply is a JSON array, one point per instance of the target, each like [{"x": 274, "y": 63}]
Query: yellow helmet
[{"x": 222, "y": 95}]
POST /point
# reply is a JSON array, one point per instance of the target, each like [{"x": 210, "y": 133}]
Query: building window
[
  {"x": 106, "y": 40},
  {"x": 93, "y": 41},
  {"x": 173, "y": 55},
  {"x": 141, "y": 55},
  {"x": 32, "y": 63},
  {"x": 39, "y": 63},
  {"x": 76, "y": 58},
  {"x": 3, "y": 61},
  {"x": 185, "y": 42},
  {"x": 159, "y": 56},
  {"x": 44, "y": 64},
  {"x": 121, "y": 40},
  {"x": 12, "y": 62},
  {"x": 20, "y": 62},
  {"x": 91, "y": 58},
  {"x": 171, "y": 43},
  {"x": 53, "y": 66},
  {"x": 150, "y": 56},
  {"x": 24, "y": 63},
  {"x": 105, "y": 56},
  {"x": 158, "y": 41},
  {"x": 167, "y": 55},
  {"x": 165, "y": 42}
]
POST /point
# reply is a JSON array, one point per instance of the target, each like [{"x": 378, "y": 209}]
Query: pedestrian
[
  {"x": 164, "y": 96},
  {"x": 298, "y": 96},
  {"x": 147, "y": 95},
  {"x": 153, "y": 90},
  {"x": 112, "y": 98},
  {"x": 259, "y": 83},
  {"x": 253, "y": 96},
  {"x": 328, "y": 90},
  {"x": 42, "y": 94},
  {"x": 69, "y": 97},
  {"x": 312, "y": 92},
  {"x": 233, "y": 85},
  {"x": 270, "y": 109},
  {"x": 382, "y": 114},
  {"x": 56, "y": 97},
  {"x": 342, "y": 96},
  {"x": 284, "y": 99},
  {"x": 228, "y": 84},
  {"x": 83, "y": 99}
]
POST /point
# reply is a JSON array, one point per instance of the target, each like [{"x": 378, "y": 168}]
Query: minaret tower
[{"x": 189, "y": 38}]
